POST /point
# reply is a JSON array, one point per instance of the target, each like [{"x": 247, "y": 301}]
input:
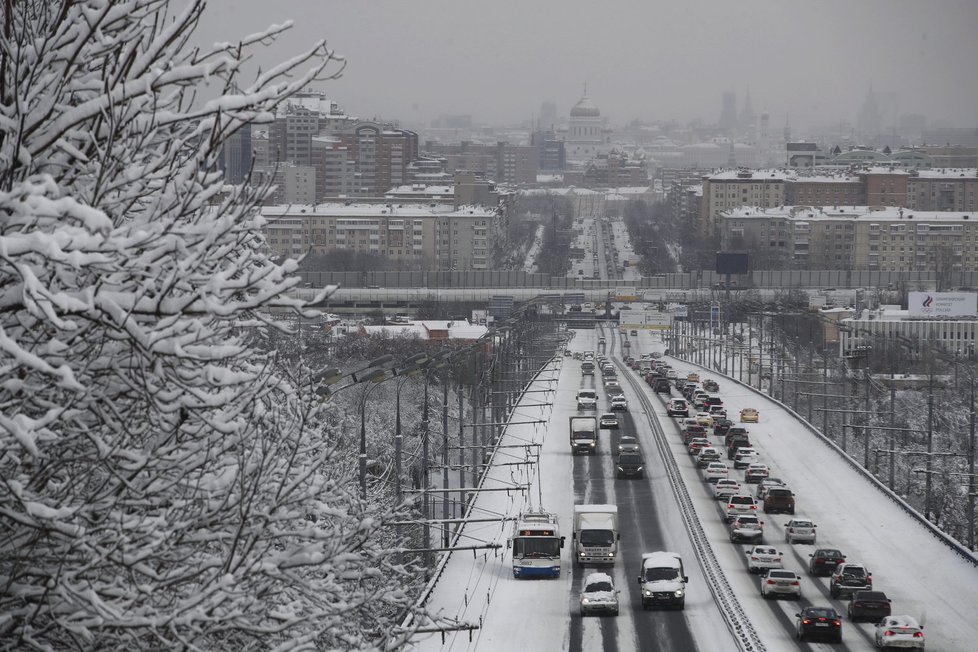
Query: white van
[
  {"x": 587, "y": 399},
  {"x": 663, "y": 580}
]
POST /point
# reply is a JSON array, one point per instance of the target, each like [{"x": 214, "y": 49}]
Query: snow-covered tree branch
[{"x": 162, "y": 485}]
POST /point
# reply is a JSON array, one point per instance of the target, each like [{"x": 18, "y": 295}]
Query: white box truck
[
  {"x": 584, "y": 434},
  {"x": 595, "y": 534}
]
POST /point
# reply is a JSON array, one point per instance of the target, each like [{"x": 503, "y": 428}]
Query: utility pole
[
  {"x": 971, "y": 470},
  {"x": 444, "y": 461},
  {"x": 825, "y": 399},
  {"x": 930, "y": 446},
  {"x": 892, "y": 436},
  {"x": 868, "y": 418}
]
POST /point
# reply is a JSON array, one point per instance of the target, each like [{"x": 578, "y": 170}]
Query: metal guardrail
[
  {"x": 939, "y": 534},
  {"x": 740, "y": 626}
]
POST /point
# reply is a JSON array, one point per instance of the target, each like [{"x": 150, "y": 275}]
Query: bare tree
[{"x": 162, "y": 484}]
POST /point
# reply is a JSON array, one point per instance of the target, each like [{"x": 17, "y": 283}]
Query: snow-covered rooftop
[
  {"x": 341, "y": 209},
  {"x": 864, "y": 213}
]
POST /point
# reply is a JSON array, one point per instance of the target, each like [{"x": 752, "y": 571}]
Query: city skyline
[{"x": 810, "y": 64}]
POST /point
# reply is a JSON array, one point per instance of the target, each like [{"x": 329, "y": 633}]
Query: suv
[
  {"x": 587, "y": 399},
  {"x": 779, "y": 499},
  {"x": 735, "y": 444},
  {"x": 744, "y": 457},
  {"x": 848, "y": 578},
  {"x": 711, "y": 385},
  {"x": 661, "y": 386},
  {"x": 677, "y": 407},
  {"x": 739, "y": 505},
  {"x": 662, "y": 580},
  {"x": 619, "y": 402},
  {"x": 799, "y": 529}
]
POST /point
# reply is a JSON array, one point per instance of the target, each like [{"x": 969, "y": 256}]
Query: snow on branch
[{"x": 163, "y": 483}]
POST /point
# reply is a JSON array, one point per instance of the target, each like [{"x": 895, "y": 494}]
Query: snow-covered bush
[{"x": 162, "y": 484}]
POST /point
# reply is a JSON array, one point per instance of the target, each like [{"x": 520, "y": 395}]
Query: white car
[
  {"x": 899, "y": 631},
  {"x": 723, "y": 489},
  {"x": 799, "y": 529},
  {"x": 716, "y": 471},
  {"x": 763, "y": 558},
  {"x": 745, "y": 457},
  {"x": 599, "y": 595},
  {"x": 777, "y": 582},
  {"x": 619, "y": 402},
  {"x": 746, "y": 528},
  {"x": 755, "y": 472}
]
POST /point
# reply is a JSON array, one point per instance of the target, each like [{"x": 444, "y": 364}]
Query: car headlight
[
  {"x": 621, "y": 470},
  {"x": 647, "y": 593},
  {"x": 584, "y": 600},
  {"x": 679, "y": 593}
]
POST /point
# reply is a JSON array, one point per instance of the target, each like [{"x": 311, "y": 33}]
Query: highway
[{"x": 672, "y": 509}]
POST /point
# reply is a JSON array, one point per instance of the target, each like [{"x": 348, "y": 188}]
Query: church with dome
[{"x": 585, "y": 136}]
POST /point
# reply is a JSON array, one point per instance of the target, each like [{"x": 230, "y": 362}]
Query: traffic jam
[{"x": 750, "y": 497}]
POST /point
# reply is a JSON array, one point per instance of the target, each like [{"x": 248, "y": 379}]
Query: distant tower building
[
  {"x": 728, "y": 114},
  {"x": 748, "y": 119},
  {"x": 548, "y": 116},
  {"x": 869, "y": 123},
  {"x": 787, "y": 130}
]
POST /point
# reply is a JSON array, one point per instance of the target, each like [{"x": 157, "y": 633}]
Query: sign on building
[{"x": 943, "y": 304}]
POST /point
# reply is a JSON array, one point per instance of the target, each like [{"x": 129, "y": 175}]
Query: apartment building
[
  {"x": 381, "y": 155},
  {"x": 824, "y": 190},
  {"x": 502, "y": 162},
  {"x": 860, "y": 237},
  {"x": 943, "y": 189},
  {"x": 434, "y": 236},
  {"x": 732, "y": 189}
]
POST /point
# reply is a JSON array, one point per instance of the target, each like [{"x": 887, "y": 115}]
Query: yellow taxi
[
  {"x": 693, "y": 378},
  {"x": 749, "y": 415}
]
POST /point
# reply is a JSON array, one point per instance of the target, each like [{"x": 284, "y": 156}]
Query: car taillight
[
  {"x": 771, "y": 582},
  {"x": 791, "y": 530},
  {"x": 796, "y": 583},
  {"x": 918, "y": 634},
  {"x": 753, "y": 506},
  {"x": 753, "y": 558},
  {"x": 807, "y": 621}
]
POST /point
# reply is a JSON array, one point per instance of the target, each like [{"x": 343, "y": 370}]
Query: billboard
[
  {"x": 729, "y": 263},
  {"x": 943, "y": 304}
]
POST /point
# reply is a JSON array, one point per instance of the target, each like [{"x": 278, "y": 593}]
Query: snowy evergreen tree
[{"x": 162, "y": 484}]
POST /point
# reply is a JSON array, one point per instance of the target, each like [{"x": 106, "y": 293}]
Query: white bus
[{"x": 536, "y": 544}]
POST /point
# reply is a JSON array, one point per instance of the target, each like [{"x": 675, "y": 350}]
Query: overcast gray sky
[{"x": 499, "y": 59}]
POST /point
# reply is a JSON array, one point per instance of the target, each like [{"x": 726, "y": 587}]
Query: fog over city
[{"x": 811, "y": 63}]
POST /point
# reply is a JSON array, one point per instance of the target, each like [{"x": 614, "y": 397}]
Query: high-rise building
[
  {"x": 382, "y": 154},
  {"x": 728, "y": 112}
]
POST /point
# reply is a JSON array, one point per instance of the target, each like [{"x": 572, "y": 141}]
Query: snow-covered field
[{"x": 921, "y": 575}]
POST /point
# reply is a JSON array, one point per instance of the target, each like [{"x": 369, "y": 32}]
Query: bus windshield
[{"x": 536, "y": 547}]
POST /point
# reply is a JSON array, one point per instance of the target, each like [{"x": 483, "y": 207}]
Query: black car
[
  {"x": 868, "y": 605},
  {"x": 721, "y": 426},
  {"x": 824, "y": 560},
  {"x": 661, "y": 386},
  {"x": 629, "y": 465},
  {"x": 818, "y": 623}
]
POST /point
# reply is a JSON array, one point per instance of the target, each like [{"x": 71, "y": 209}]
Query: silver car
[
  {"x": 777, "y": 582},
  {"x": 799, "y": 530},
  {"x": 599, "y": 595}
]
